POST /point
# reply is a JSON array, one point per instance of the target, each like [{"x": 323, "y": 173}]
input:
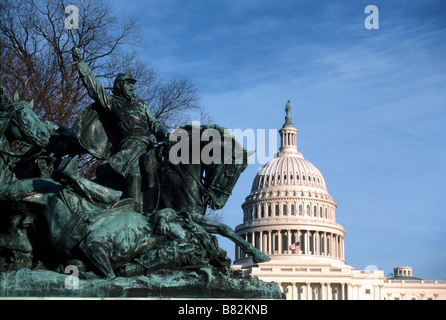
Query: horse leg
[{"x": 224, "y": 230}]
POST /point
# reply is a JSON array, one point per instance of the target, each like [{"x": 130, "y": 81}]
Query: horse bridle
[
  {"x": 10, "y": 114},
  {"x": 206, "y": 190}
]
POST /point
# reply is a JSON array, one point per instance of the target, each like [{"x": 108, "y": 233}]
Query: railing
[
  {"x": 304, "y": 270},
  {"x": 408, "y": 281},
  {"x": 284, "y": 220}
]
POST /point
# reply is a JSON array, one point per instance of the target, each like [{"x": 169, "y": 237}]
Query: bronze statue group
[{"x": 139, "y": 215}]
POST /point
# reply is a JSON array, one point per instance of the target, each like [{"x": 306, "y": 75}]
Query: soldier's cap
[{"x": 124, "y": 76}]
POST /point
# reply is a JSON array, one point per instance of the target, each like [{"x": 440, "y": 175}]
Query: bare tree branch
[{"x": 35, "y": 54}]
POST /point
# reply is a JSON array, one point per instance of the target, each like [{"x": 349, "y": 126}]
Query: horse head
[
  {"x": 26, "y": 126},
  {"x": 199, "y": 169},
  {"x": 229, "y": 161}
]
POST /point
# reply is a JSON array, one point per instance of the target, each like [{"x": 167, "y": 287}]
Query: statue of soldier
[{"x": 118, "y": 127}]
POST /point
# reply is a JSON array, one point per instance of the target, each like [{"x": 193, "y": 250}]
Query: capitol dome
[
  {"x": 289, "y": 214},
  {"x": 289, "y": 170}
]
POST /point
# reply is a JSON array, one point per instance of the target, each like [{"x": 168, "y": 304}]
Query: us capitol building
[{"x": 290, "y": 216}]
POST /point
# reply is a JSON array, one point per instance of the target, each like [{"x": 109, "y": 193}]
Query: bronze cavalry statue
[{"x": 143, "y": 214}]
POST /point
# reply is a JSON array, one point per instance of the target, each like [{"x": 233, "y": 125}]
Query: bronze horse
[{"x": 18, "y": 122}]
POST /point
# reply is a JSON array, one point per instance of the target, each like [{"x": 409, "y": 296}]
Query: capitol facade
[{"x": 290, "y": 216}]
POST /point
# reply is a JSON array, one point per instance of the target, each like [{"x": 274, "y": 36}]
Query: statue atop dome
[{"x": 288, "y": 108}]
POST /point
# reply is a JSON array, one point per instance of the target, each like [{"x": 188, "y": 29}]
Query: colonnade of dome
[{"x": 277, "y": 240}]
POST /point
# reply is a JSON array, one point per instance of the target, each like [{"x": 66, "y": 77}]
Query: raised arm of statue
[{"x": 94, "y": 88}]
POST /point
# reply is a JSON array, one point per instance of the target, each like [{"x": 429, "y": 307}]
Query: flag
[{"x": 295, "y": 246}]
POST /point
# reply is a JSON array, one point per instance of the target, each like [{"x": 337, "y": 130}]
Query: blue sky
[{"x": 370, "y": 105}]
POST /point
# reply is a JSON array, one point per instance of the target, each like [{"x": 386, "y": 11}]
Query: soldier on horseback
[{"x": 118, "y": 127}]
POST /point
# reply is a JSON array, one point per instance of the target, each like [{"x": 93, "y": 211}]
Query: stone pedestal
[{"x": 162, "y": 285}]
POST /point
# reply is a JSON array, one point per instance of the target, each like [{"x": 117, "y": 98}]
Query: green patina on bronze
[{"x": 142, "y": 216}]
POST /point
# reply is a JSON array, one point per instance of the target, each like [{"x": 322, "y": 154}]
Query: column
[
  {"x": 336, "y": 247},
  {"x": 339, "y": 246},
  {"x": 289, "y": 241},
  {"x": 279, "y": 238},
  {"x": 349, "y": 291},
  {"x": 330, "y": 244},
  {"x": 323, "y": 293},
  {"x": 309, "y": 293},
  {"x": 333, "y": 245},
  {"x": 310, "y": 242},
  {"x": 307, "y": 242},
  {"x": 294, "y": 295},
  {"x": 380, "y": 290},
  {"x": 343, "y": 291},
  {"x": 313, "y": 242},
  {"x": 299, "y": 251},
  {"x": 327, "y": 244},
  {"x": 261, "y": 240},
  {"x": 329, "y": 293},
  {"x": 271, "y": 251}
]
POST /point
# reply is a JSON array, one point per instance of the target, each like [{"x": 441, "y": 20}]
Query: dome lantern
[{"x": 288, "y": 135}]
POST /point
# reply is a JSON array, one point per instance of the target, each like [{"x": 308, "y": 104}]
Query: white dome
[
  {"x": 289, "y": 170},
  {"x": 289, "y": 203}
]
